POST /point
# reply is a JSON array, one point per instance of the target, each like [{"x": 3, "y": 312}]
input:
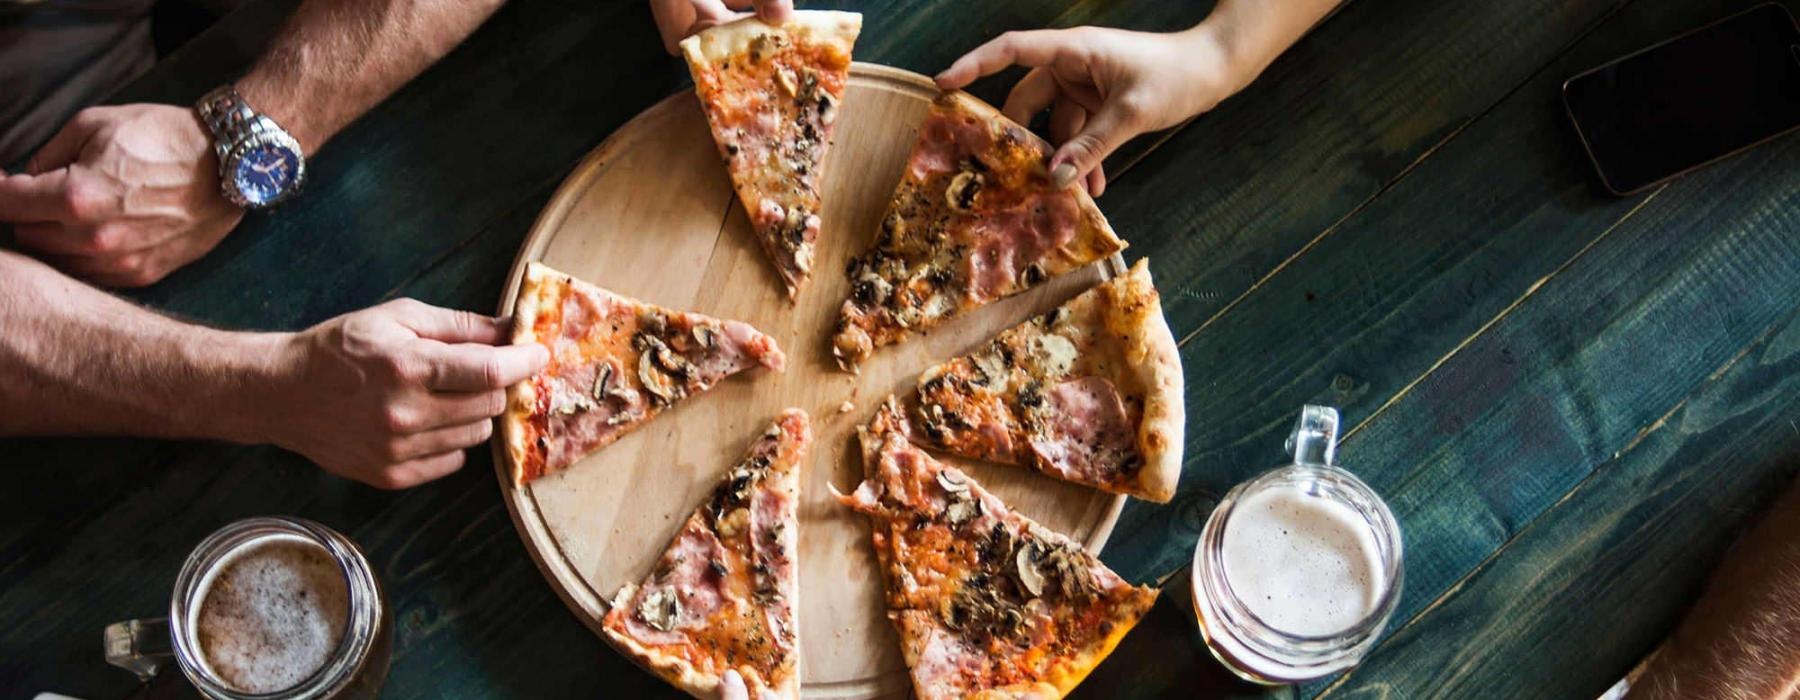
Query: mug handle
[{"x": 139, "y": 646}]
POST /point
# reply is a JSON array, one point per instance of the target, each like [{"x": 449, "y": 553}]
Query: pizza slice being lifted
[
  {"x": 771, "y": 94},
  {"x": 975, "y": 219},
  {"x": 724, "y": 595},
  {"x": 987, "y": 602},
  {"x": 615, "y": 362},
  {"x": 1089, "y": 392}
]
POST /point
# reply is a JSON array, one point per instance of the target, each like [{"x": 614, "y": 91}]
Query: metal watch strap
[{"x": 227, "y": 116}]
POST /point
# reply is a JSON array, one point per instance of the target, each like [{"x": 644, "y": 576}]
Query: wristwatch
[{"x": 260, "y": 164}]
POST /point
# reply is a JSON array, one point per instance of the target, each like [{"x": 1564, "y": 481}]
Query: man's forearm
[
  {"x": 1742, "y": 639},
  {"x": 78, "y": 361},
  {"x": 335, "y": 59}
]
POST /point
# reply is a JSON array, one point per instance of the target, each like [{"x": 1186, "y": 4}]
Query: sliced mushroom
[
  {"x": 784, "y": 77},
  {"x": 660, "y": 609},
  {"x": 660, "y": 385},
  {"x": 705, "y": 336},
  {"x": 603, "y": 382},
  {"x": 962, "y": 511},
  {"x": 952, "y": 483},
  {"x": 1029, "y": 576},
  {"x": 960, "y": 195}
]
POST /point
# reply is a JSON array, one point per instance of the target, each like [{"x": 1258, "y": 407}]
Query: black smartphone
[{"x": 1691, "y": 100}]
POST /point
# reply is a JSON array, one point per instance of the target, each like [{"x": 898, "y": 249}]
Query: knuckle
[
  {"x": 387, "y": 479},
  {"x": 493, "y": 376},
  {"x": 495, "y": 403},
  {"x": 397, "y": 420}
]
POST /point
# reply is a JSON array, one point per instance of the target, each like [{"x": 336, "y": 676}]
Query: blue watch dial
[{"x": 265, "y": 172}]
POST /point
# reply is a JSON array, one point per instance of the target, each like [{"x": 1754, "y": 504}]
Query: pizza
[
  {"x": 615, "y": 362},
  {"x": 987, "y": 602},
  {"x": 1089, "y": 392},
  {"x": 772, "y": 95},
  {"x": 724, "y": 595},
  {"x": 974, "y": 219}
]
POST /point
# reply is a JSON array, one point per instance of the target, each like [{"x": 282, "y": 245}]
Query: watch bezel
[{"x": 261, "y": 134}]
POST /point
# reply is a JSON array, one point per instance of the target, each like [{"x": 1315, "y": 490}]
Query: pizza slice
[
  {"x": 772, "y": 94},
  {"x": 724, "y": 596},
  {"x": 974, "y": 219},
  {"x": 615, "y": 362},
  {"x": 1089, "y": 392},
  {"x": 987, "y": 602}
]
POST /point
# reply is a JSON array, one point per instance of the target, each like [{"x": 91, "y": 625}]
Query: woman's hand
[
  {"x": 679, "y": 19},
  {"x": 1102, "y": 87}
]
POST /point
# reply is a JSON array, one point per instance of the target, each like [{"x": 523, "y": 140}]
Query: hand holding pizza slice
[
  {"x": 772, "y": 94},
  {"x": 975, "y": 219}
]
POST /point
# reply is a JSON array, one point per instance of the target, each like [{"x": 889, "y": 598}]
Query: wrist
[
  {"x": 264, "y": 96},
  {"x": 1218, "y": 65},
  {"x": 252, "y": 371}
]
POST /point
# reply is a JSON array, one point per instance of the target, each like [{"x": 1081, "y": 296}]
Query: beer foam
[
  {"x": 1303, "y": 564},
  {"x": 271, "y": 614}
]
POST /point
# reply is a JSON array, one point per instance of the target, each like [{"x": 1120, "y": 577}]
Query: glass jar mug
[
  {"x": 271, "y": 608},
  {"x": 1297, "y": 570}
]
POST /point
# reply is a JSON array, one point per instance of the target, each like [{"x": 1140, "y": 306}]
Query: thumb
[
  {"x": 1084, "y": 151},
  {"x": 775, "y": 11}
]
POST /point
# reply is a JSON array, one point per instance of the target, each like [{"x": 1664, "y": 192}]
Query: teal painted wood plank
[
  {"x": 1392, "y": 290},
  {"x": 1581, "y": 595}
]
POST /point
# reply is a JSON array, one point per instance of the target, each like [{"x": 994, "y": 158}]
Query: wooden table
[{"x": 1572, "y": 401}]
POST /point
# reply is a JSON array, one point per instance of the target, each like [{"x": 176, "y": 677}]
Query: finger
[
  {"x": 731, "y": 686},
  {"x": 1096, "y": 181},
  {"x": 1066, "y": 119},
  {"x": 1031, "y": 49},
  {"x": 673, "y": 17},
  {"x": 63, "y": 148},
  {"x": 418, "y": 471},
  {"x": 774, "y": 11},
  {"x": 29, "y": 198},
  {"x": 1030, "y": 95},
  {"x": 439, "y": 440},
  {"x": 49, "y": 239},
  {"x": 476, "y": 367},
  {"x": 447, "y": 325},
  {"x": 448, "y": 409},
  {"x": 1098, "y": 138},
  {"x": 708, "y": 13}
]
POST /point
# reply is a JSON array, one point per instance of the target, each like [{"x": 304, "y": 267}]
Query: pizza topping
[
  {"x": 1029, "y": 575},
  {"x": 1054, "y": 354},
  {"x": 1082, "y": 428},
  {"x": 659, "y": 609},
  {"x": 960, "y": 195}
]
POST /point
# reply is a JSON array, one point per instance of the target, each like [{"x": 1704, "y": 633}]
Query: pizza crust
[
  {"x": 522, "y": 397},
  {"x": 806, "y": 26},
  {"x": 1153, "y": 365},
  {"x": 676, "y": 671}
]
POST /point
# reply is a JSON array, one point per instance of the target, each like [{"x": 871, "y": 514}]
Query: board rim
[{"x": 587, "y": 604}]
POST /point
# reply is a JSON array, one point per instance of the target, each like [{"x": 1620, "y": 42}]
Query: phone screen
[{"x": 1688, "y": 101}]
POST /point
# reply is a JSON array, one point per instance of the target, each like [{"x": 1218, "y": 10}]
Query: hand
[
  {"x": 121, "y": 196},
  {"x": 680, "y": 19},
  {"x": 391, "y": 395},
  {"x": 1102, "y": 86}
]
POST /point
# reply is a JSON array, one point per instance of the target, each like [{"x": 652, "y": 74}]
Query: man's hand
[
  {"x": 391, "y": 395},
  {"x": 1102, "y": 87},
  {"x": 679, "y": 19},
  {"x": 121, "y": 196}
]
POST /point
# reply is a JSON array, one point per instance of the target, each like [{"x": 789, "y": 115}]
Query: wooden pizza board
[{"x": 651, "y": 214}]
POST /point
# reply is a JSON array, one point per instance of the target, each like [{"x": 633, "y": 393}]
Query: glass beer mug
[
  {"x": 271, "y": 608},
  {"x": 1297, "y": 570}
]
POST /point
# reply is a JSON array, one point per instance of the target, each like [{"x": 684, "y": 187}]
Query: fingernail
[{"x": 1062, "y": 175}]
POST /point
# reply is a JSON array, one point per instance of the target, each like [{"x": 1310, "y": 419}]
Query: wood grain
[{"x": 650, "y": 214}]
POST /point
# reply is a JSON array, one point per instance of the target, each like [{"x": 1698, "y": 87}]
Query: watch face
[{"x": 265, "y": 172}]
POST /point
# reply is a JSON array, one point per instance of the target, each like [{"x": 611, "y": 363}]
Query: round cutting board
[{"x": 650, "y": 213}]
